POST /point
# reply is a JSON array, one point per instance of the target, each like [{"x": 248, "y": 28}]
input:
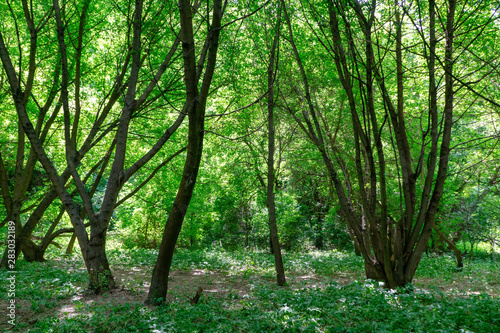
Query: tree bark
[
  {"x": 195, "y": 106},
  {"x": 271, "y": 205},
  {"x": 71, "y": 244}
]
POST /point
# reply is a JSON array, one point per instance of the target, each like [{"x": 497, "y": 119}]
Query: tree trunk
[
  {"x": 391, "y": 250},
  {"x": 100, "y": 277},
  {"x": 195, "y": 106},
  {"x": 92, "y": 249},
  {"x": 47, "y": 239},
  {"x": 71, "y": 244},
  {"x": 32, "y": 252},
  {"x": 458, "y": 254},
  {"x": 271, "y": 205}
]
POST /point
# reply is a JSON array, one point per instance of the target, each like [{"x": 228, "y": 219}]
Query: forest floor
[{"x": 325, "y": 291}]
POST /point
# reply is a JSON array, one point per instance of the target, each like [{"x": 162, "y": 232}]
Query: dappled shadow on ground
[
  {"x": 133, "y": 285},
  {"x": 183, "y": 284},
  {"x": 134, "y": 282},
  {"x": 460, "y": 286}
]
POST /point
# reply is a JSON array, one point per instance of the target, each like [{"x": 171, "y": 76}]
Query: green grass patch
[
  {"x": 326, "y": 293},
  {"x": 358, "y": 307}
]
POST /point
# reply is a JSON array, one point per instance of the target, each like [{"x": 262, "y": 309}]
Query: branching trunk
[
  {"x": 391, "y": 250},
  {"x": 93, "y": 247}
]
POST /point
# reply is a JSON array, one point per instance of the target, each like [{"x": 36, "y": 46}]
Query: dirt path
[{"x": 134, "y": 284}]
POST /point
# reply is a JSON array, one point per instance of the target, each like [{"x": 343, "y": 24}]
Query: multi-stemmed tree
[
  {"x": 377, "y": 49},
  {"x": 139, "y": 75}
]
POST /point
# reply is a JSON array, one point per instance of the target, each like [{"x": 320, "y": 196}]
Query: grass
[{"x": 326, "y": 292}]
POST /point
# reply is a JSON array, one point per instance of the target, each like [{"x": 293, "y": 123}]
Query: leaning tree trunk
[
  {"x": 71, "y": 244},
  {"x": 456, "y": 251},
  {"x": 195, "y": 106}
]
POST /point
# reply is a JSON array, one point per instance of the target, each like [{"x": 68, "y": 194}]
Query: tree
[
  {"x": 195, "y": 106},
  {"x": 364, "y": 54},
  {"x": 15, "y": 193},
  {"x": 271, "y": 205},
  {"x": 135, "y": 103}
]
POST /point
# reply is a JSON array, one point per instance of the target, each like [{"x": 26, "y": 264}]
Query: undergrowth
[
  {"x": 357, "y": 307},
  {"x": 442, "y": 300}
]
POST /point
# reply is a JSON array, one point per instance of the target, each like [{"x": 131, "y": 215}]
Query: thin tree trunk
[
  {"x": 71, "y": 244},
  {"x": 271, "y": 205},
  {"x": 46, "y": 239},
  {"x": 458, "y": 254}
]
